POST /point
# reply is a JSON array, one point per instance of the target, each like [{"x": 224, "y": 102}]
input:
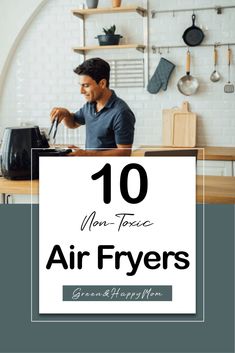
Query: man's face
[{"x": 91, "y": 90}]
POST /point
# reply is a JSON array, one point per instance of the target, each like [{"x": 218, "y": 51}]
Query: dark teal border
[{"x": 19, "y": 334}]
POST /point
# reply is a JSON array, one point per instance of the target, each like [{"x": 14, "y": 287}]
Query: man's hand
[
  {"x": 60, "y": 114},
  {"x": 65, "y": 115},
  {"x": 77, "y": 151}
]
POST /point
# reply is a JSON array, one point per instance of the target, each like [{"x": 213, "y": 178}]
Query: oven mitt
[{"x": 161, "y": 76}]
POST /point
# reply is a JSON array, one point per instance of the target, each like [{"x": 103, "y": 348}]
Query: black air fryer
[{"x": 16, "y": 152}]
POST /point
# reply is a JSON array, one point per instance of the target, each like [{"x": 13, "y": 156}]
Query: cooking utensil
[
  {"x": 215, "y": 76},
  {"x": 229, "y": 87},
  {"x": 184, "y": 127},
  {"x": 179, "y": 127},
  {"x": 193, "y": 35},
  {"x": 167, "y": 126},
  {"x": 54, "y": 125},
  {"x": 188, "y": 84}
]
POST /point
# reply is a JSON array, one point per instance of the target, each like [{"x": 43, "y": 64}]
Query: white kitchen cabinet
[
  {"x": 233, "y": 168},
  {"x": 213, "y": 167}
]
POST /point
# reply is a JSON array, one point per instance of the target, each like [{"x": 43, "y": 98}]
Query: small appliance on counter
[{"x": 17, "y": 144}]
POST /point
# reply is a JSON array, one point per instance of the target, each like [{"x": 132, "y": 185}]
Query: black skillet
[{"x": 193, "y": 35}]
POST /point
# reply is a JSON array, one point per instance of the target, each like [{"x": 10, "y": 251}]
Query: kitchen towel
[{"x": 161, "y": 76}]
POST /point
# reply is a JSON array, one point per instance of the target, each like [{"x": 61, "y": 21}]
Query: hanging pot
[
  {"x": 188, "y": 84},
  {"x": 193, "y": 35}
]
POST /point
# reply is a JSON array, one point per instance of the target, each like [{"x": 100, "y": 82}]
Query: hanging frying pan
[
  {"x": 193, "y": 35},
  {"x": 188, "y": 84}
]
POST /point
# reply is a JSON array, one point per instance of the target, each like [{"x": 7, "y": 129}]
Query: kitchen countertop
[
  {"x": 209, "y": 153},
  {"x": 217, "y": 189},
  {"x": 20, "y": 187}
]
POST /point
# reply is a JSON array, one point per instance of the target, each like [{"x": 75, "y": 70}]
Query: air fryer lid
[
  {"x": 16, "y": 150},
  {"x": 25, "y": 137}
]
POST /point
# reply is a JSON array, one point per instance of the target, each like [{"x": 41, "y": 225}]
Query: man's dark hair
[{"x": 96, "y": 68}]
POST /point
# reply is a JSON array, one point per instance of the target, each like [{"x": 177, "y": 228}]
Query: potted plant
[
  {"x": 109, "y": 38},
  {"x": 92, "y": 4},
  {"x": 116, "y": 3}
]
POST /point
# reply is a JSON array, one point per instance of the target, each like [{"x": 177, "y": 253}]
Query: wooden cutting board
[
  {"x": 179, "y": 127},
  {"x": 167, "y": 126}
]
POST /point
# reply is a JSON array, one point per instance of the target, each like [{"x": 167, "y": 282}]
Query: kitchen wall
[
  {"x": 15, "y": 17},
  {"x": 40, "y": 75}
]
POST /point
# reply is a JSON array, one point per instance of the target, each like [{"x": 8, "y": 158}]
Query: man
[{"x": 108, "y": 119}]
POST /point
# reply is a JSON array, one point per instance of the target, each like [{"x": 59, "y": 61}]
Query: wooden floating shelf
[
  {"x": 82, "y": 50},
  {"x": 102, "y": 10}
]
